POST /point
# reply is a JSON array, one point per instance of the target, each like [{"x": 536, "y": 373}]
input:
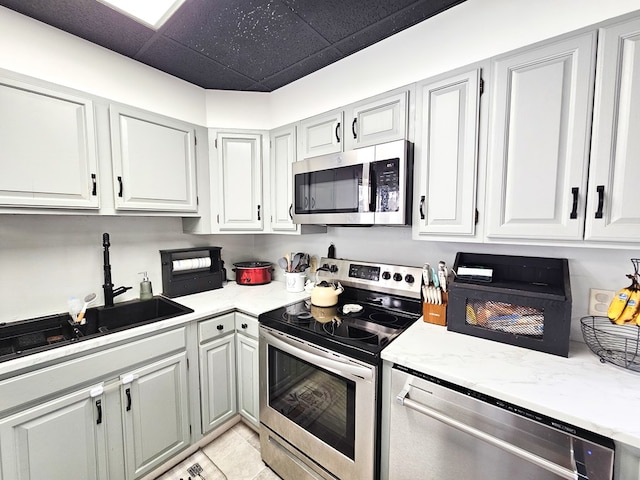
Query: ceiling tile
[
  {"x": 346, "y": 17},
  {"x": 257, "y": 39},
  {"x": 179, "y": 61},
  {"x": 412, "y": 15}
]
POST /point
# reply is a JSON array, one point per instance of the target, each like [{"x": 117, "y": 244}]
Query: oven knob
[
  {"x": 397, "y": 277},
  {"x": 386, "y": 275},
  {"x": 333, "y": 268},
  {"x": 409, "y": 278}
]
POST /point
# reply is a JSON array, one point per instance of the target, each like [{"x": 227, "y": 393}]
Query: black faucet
[{"x": 109, "y": 292}]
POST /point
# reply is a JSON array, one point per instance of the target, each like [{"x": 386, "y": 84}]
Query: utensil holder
[{"x": 434, "y": 313}]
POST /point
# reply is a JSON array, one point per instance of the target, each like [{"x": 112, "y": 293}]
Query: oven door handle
[
  {"x": 403, "y": 399},
  {"x": 313, "y": 357}
]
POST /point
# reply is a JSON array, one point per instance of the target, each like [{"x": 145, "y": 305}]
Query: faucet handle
[{"x": 105, "y": 240}]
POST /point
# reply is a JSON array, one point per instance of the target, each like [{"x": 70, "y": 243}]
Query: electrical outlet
[{"x": 599, "y": 301}]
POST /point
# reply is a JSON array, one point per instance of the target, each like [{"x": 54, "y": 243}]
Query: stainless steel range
[{"x": 320, "y": 372}]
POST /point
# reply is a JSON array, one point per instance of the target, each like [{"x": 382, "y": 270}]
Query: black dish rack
[{"x": 616, "y": 344}]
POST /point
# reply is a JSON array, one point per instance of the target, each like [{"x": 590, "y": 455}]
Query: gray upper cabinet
[
  {"x": 283, "y": 154},
  {"x": 539, "y": 135},
  {"x": 154, "y": 167},
  {"x": 614, "y": 176},
  {"x": 446, "y": 154},
  {"x": 321, "y": 135},
  {"x": 240, "y": 203},
  {"x": 47, "y": 148},
  {"x": 378, "y": 120}
]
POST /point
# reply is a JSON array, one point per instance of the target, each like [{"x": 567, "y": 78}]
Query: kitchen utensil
[
  {"x": 295, "y": 261},
  {"x": 87, "y": 300},
  {"x": 253, "y": 273},
  {"x": 74, "y": 306},
  {"x": 287, "y": 256},
  {"x": 283, "y": 264}
]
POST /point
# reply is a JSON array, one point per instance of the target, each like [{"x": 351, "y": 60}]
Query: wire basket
[{"x": 616, "y": 344}]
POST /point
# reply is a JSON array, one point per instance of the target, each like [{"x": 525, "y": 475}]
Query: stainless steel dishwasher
[{"x": 439, "y": 430}]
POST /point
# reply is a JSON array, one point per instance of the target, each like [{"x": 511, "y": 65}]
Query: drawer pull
[
  {"x": 245, "y": 326},
  {"x": 99, "y": 408},
  {"x": 220, "y": 327}
]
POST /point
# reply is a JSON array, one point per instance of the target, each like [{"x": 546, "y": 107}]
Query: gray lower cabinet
[
  {"x": 155, "y": 414},
  {"x": 59, "y": 439},
  {"x": 247, "y": 367},
  {"x": 216, "y": 339},
  {"x": 114, "y": 413}
]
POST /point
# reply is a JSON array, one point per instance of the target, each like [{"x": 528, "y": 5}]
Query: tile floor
[{"x": 234, "y": 455}]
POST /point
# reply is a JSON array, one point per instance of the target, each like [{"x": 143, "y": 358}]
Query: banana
[
  {"x": 630, "y": 311},
  {"x": 619, "y": 303}
]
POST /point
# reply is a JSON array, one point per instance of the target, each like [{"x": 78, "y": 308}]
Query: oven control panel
[{"x": 397, "y": 279}]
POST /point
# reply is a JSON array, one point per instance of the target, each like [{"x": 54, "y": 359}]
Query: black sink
[
  {"x": 132, "y": 314},
  {"x": 43, "y": 333}
]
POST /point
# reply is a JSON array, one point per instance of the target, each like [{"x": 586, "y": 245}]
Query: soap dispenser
[{"x": 146, "y": 292}]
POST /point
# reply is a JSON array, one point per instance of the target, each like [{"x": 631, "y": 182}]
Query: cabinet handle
[
  {"x": 128, "y": 393},
  {"x": 422, "y": 200},
  {"x": 94, "y": 190},
  {"x": 313, "y": 203},
  {"x": 353, "y": 128},
  {"x": 220, "y": 327},
  {"x": 120, "y": 183},
  {"x": 338, "y": 132},
  {"x": 99, "y": 408},
  {"x": 244, "y": 325},
  {"x": 291, "y": 211},
  {"x": 600, "y": 190},
  {"x": 258, "y": 212},
  {"x": 574, "y": 210}
]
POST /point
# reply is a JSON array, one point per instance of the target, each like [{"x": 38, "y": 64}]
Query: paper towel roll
[{"x": 191, "y": 264}]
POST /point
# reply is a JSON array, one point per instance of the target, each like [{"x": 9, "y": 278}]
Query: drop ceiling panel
[{"x": 247, "y": 45}]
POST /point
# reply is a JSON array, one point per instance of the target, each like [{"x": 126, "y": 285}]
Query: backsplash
[{"x": 46, "y": 259}]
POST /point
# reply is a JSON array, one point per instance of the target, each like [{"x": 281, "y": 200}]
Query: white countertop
[
  {"x": 253, "y": 300},
  {"x": 579, "y": 390}
]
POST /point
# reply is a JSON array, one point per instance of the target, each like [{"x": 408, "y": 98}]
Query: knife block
[{"x": 436, "y": 314}]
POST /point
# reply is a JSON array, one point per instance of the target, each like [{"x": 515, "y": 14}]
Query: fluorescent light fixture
[{"x": 152, "y": 13}]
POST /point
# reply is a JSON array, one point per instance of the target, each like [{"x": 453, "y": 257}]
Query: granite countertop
[
  {"x": 252, "y": 300},
  {"x": 579, "y": 390}
]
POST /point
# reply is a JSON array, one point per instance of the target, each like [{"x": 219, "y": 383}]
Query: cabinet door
[
  {"x": 240, "y": 181},
  {"x": 283, "y": 154},
  {"x": 380, "y": 120},
  {"x": 321, "y": 135},
  {"x": 247, "y": 367},
  {"x": 217, "y": 382},
  {"x": 155, "y": 412},
  {"x": 48, "y": 153},
  {"x": 614, "y": 175},
  {"x": 57, "y": 440},
  {"x": 153, "y": 161},
  {"x": 538, "y": 140},
  {"x": 446, "y": 153}
]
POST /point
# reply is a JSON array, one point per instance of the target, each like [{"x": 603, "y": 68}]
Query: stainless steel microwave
[{"x": 366, "y": 186}]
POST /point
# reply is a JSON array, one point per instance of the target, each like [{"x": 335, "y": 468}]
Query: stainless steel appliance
[
  {"x": 320, "y": 372},
  {"x": 367, "y": 186},
  {"x": 439, "y": 430}
]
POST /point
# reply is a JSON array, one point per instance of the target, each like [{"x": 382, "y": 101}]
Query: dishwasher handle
[{"x": 403, "y": 399}]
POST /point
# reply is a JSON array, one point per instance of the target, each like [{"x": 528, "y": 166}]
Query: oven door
[{"x": 318, "y": 409}]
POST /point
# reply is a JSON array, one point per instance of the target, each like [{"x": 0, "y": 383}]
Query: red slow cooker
[{"x": 253, "y": 273}]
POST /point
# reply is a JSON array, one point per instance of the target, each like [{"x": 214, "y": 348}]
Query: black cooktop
[{"x": 361, "y": 325}]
